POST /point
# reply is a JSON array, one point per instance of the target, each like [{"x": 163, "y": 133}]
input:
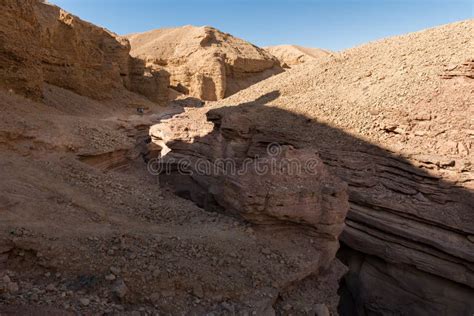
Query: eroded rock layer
[{"x": 236, "y": 167}]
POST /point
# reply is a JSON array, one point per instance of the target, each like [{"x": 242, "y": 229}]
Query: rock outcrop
[
  {"x": 204, "y": 62},
  {"x": 41, "y": 43},
  {"x": 235, "y": 167},
  {"x": 292, "y": 55},
  {"x": 229, "y": 162}
]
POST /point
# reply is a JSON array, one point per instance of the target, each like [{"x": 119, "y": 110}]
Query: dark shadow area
[
  {"x": 180, "y": 88},
  {"x": 407, "y": 229},
  {"x": 237, "y": 80}
]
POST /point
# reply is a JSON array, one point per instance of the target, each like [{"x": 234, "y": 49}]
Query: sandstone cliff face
[
  {"x": 202, "y": 61},
  {"x": 43, "y": 43},
  {"x": 79, "y": 56},
  {"x": 20, "y": 68}
]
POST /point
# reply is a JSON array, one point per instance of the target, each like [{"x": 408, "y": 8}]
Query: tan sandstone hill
[
  {"x": 291, "y": 55},
  {"x": 204, "y": 62},
  {"x": 393, "y": 119}
]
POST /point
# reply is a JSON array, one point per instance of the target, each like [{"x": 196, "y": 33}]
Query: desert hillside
[
  {"x": 343, "y": 186},
  {"x": 204, "y": 62},
  {"x": 291, "y": 55},
  {"x": 394, "y": 92}
]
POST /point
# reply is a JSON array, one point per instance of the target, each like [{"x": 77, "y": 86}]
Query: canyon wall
[
  {"x": 41, "y": 43},
  {"x": 20, "y": 69}
]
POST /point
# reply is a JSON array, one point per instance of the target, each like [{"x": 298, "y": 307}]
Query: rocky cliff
[
  {"x": 204, "y": 62},
  {"x": 41, "y": 43}
]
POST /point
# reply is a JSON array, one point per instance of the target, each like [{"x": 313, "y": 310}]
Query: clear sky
[{"x": 330, "y": 24}]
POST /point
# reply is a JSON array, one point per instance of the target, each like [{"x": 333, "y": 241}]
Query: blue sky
[{"x": 334, "y": 25}]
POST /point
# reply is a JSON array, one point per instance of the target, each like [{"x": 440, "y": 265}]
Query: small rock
[
  {"x": 51, "y": 288},
  {"x": 120, "y": 289},
  {"x": 85, "y": 301},
  {"x": 198, "y": 291},
  {"x": 115, "y": 270},
  {"x": 228, "y": 307},
  {"x": 13, "y": 287},
  {"x": 321, "y": 310},
  {"x": 110, "y": 277},
  {"x": 266, "y": 251},
  {"x": 155, "y": 298},
  {"x": 167, "y": 293}
]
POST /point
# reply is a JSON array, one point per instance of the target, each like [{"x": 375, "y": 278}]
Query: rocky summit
[{"x": 185, "y": 171}]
